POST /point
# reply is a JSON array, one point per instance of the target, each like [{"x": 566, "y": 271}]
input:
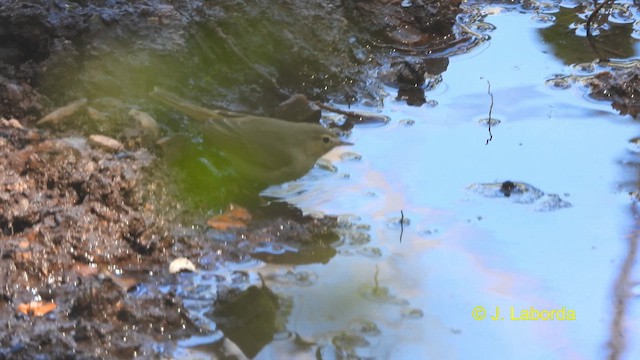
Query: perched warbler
[{"x": 266, "y": 150}]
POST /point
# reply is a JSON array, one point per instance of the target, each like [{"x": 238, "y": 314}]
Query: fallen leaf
[
  {"x": 234, "y": 218},
  {"x": 37, "y": 308}
]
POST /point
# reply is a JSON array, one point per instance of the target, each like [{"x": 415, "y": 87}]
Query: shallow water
[{"x": 408, "y": 292}]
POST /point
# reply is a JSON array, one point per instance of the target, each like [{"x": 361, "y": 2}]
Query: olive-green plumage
[{"x": 267, "y": 150}]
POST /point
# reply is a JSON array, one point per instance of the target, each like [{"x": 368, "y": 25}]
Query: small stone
[
  {"x": 148, "y": 124},
  {"x": 181, "y": 264},
  {"x": 12, "y": 123},
  {"x": 298, "y": 109},
  {"x": 62, "y": 113},
  {"x": 106, "y": 142}
]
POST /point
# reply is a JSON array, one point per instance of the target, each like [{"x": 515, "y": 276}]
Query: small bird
[{"x": 266, "y": 150}]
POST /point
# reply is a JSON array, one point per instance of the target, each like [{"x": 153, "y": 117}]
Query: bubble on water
[
  {"x": 552, "y": 202},
  {"x": 365, "y": 327},
  {"x": 283, "y": 335},
  {"x": 380, "y": 294},
  {"x": 239, "y": 277},
  {"x": 350, "y": 155},
  {"x": 349, "y": 341},
  {"x": 570, "y": 4},
  {"x": 548, "y": 7},
  {"x": 358, "y": 238},
  {"x": 483, "y": 27},
  {"x": 431, "y": 103},
  {"x": 412, "y": 313},
  {"x": 486, "y": 121},
  {"x": 370, "y": 252},
  {"x": 398, "y": 221},
  {"x": 585, "y": 68},
  {"x": 407, "y": 122},
  {"x": 347, "y": 220},
  {"x": 558, "y": 83},
  {"x": 634, "y": 145},
  {"x": 621, "y": 15},
  {"x": 543, "y": 20},
  {"x": 581, "y": 29},
  {"x": 519, "y": 192},
  {"x": 325, "y": 164},
  {"x": 300, "y": 278}
]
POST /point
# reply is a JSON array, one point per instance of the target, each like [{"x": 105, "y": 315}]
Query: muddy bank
[
  {"x": 244, "y": 56},
  {"x": 91, "y": 232}
]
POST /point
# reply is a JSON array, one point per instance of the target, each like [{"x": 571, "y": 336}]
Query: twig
[
  {"x": 270, "y": 80},
  {"x": 490, "y": 111},
  {"x": 590, "y": 20},
  {"x": 622, "y": 293},
  {"x": 401, "y": 224},
  {"x": 324, "y": 106}
]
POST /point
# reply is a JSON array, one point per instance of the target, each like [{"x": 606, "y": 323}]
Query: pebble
[
  {"x": 181, "y": 264},
  {"x": 61, "y": 113},
  {"x": 146, "y": 122},
  {"x": 106, "y": 142}
]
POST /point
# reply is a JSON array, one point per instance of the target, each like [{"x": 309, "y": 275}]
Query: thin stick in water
[{"x": 490, "y": 111}]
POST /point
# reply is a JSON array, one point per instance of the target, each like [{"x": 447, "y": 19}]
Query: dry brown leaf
[
  {"x": 37, "y": 308},
  {"x": 235, "y": 218}
]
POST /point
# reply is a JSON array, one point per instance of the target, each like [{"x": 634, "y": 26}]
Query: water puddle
[
  {"x": 493, "y": 219},
  {"x": 513, "y": 224}
]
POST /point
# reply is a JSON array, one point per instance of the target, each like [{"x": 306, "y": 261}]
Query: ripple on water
[
  {"x": 412, "y": 313},
  {"x": 380, "y": 294},
  {"x": 302, "y": 278},
  {"x": 543, "y": 20},
  {"x": 558, "y": 82},
  {"x": 348, "y": 341},
  {"x": 370, "y": 252},
  {"x": 521, "y": 193},
  {"x": 365, "y": 327},
  {"x": 620, "y": 14}
]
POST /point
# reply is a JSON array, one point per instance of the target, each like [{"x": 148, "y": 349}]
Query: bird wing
[{"x": 255, "y": 141}]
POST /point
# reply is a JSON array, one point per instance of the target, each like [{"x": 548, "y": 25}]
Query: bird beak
[{"x": 345, "y": 143}]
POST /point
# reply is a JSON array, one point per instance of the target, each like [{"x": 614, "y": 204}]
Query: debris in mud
[
  {"x": 235, "y": 218},
  {"x": 621, "y": 86},
  {"x": 37, "y": 308},
  {"x": 414, "y": 78},
  {"x": 521, "y": 193}
]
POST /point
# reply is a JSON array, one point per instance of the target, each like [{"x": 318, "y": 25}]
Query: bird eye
[{"x": 326, "y": 139}]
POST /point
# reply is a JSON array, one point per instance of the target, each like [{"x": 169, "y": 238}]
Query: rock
[
  {"x": 106, "y": 143},
  {"x": 298, "y": 109},
  {"x": 62, "y": 113},
  {"x": 181, "y": 264},
  {"x": 148, "y": 124}
]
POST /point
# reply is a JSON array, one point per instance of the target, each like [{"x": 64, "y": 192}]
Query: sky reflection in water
[{"x": 461, "y": 249}]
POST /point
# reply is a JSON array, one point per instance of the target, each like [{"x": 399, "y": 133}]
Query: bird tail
[{"x": 184, "y": 106}]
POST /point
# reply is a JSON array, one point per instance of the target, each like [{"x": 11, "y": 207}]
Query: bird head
[{"x": 321, "y": 140}]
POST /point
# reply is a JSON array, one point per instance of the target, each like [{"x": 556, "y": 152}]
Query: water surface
[{"x": 413, "y": 297}]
